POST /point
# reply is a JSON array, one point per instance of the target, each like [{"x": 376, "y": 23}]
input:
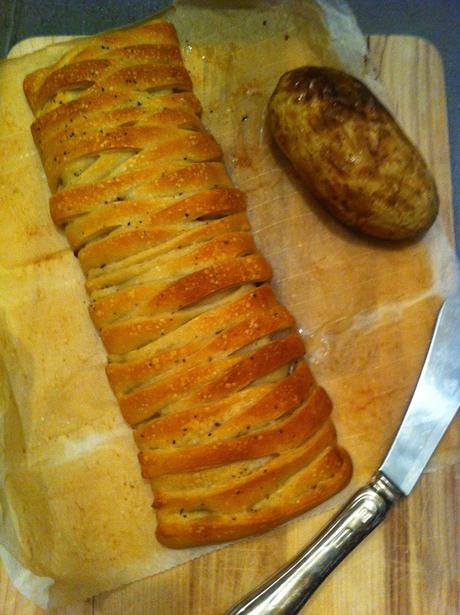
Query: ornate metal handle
[{"x": 288, "y": 591}]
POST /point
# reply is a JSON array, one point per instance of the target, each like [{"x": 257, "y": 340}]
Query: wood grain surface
[{"x": 411, "y": 564}]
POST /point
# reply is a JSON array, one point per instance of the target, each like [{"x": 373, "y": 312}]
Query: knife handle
[{"x": 288, "y": 591}]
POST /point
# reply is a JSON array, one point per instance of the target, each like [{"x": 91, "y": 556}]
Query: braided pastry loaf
[{"x": 233, "y": 431}]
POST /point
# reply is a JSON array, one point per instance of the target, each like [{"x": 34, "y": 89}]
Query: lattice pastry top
[{"x": 208, "y": 368}]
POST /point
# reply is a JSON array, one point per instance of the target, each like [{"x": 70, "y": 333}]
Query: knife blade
[{"x": 433, "y": 406}]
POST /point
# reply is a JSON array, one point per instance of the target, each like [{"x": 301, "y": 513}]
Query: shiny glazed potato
[{"x": 351, "y": 153}]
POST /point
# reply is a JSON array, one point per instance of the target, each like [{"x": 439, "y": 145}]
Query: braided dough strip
[{"x": 234, "y": 433}]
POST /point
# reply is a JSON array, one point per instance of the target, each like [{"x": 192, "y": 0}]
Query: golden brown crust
[
  {"x": 233, "y": 431},
  {"x": 352, "y": 154},
  {"x": 281, "y": 435},
  {"x": 179, "y": 179},
  {"x": 56, "y": 124},
  {"x": 181, "y": 528},
  {"x": 204, "y": 337}
]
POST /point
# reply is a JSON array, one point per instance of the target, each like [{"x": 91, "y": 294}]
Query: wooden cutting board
[{"x": 411, "y": 564}]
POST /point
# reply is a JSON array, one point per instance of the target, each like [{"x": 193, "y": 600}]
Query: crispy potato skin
[{"x": 351, "y": 153}]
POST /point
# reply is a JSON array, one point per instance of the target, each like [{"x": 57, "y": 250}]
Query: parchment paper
[{"x": 76, "y": 516}]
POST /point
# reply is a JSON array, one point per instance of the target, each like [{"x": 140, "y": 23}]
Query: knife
[{"x": 433, "y": 406}]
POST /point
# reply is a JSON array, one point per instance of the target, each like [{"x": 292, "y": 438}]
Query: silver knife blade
[{"x": 433, "y": 406}]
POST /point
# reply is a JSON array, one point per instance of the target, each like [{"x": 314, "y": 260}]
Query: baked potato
[{"x": 352, "y": 154}]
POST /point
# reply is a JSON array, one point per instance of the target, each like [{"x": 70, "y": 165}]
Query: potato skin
[{"x": 351, "y": 153}]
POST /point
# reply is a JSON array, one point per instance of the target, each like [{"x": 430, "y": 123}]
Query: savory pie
[{"x": 234, "y": 433}]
